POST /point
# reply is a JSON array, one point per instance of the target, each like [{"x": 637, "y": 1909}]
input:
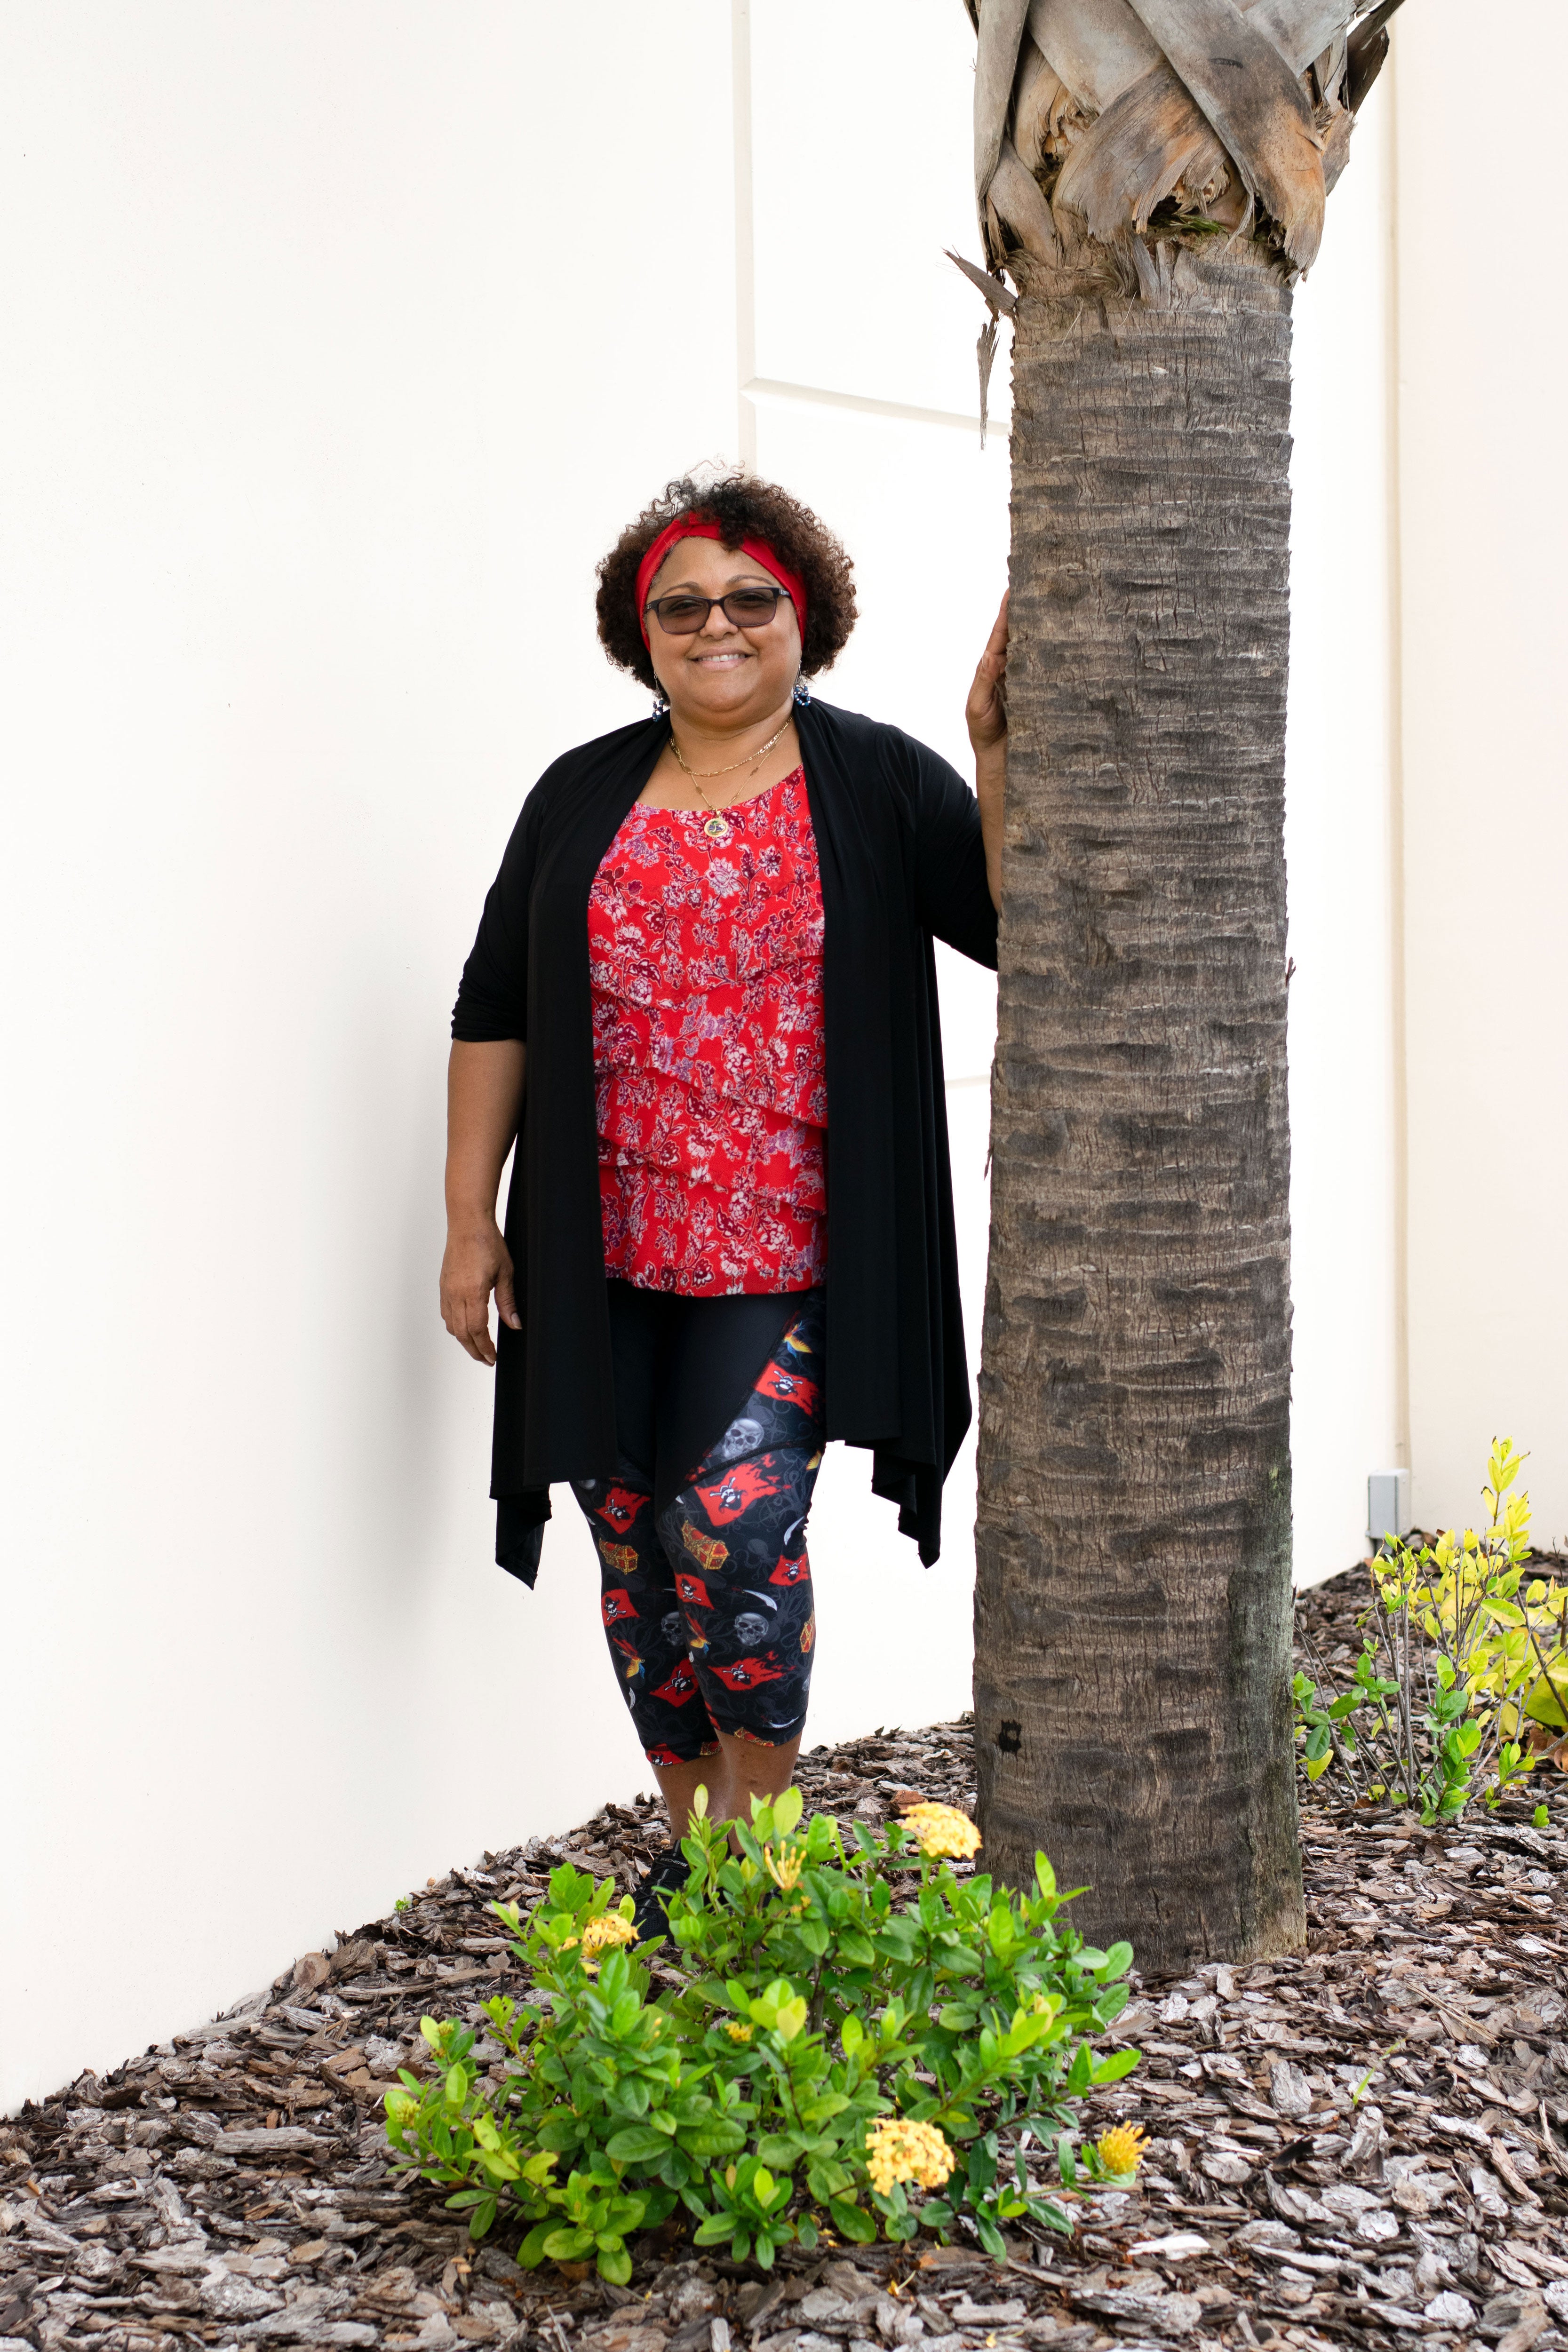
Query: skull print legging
[{"x": 707, "y": 1599}]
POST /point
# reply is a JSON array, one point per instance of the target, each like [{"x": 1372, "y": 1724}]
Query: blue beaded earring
[
  {"x": 660, "y": 704},
  {"x": 802, "y": 694}
]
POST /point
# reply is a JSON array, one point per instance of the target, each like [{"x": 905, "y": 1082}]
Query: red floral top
[{"x": 705, "y": 959}]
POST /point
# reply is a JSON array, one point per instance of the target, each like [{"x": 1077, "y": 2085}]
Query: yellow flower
[
  {"x": 943, "y": 1830},
  {"x": 1120, "y": 2150},
  {"x": 898, "y": 2150},
  {"x": 606, "y": 1933},
  {"x": 784, "y": 1869},
  {"x": 738, "y": 2033}
]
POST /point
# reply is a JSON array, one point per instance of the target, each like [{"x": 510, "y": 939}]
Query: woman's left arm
[{"x": 986, "y": 713}]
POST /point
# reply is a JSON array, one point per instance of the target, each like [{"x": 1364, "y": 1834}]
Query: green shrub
[
  {"x": 1462, "y": 1651},
  {"x": 850, "y": 2025}
]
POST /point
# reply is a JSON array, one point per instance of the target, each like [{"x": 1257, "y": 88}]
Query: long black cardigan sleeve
[{"x": 899, "y": 850}]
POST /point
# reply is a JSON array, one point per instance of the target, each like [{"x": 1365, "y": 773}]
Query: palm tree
[{"x": 1152, "y": 175}]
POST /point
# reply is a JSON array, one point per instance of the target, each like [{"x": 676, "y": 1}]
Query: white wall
[
  {"x": 339, "y": 341},
  {"x": 1484, "y": 521},
  {"x": 1341, "y": 855},
  {"x": 332, "y": 365}
]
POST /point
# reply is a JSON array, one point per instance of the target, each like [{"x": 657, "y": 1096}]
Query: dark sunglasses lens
[
  {"x": 751, "y": 608},
  {"x": 682, "y": 616}
]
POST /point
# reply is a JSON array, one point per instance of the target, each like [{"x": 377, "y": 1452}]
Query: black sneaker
[{"x": 650, "y": 1913}]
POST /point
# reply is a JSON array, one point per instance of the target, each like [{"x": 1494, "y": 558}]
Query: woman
[{"x": 729, "y": 1235}]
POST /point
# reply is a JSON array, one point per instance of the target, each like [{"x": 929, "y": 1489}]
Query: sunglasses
[{"x": 749, "y": 608}]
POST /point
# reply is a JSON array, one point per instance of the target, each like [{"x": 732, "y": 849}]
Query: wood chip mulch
[{"x": 1365, "y": 2145}]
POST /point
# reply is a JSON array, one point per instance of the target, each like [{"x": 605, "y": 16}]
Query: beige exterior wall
[{"x": 1483, "y": 516}]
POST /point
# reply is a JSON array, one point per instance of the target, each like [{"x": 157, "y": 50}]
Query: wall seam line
[
  {"x": 745, "y": 231},
  {"x": 818, "y": 396},
  {"x": 1404, "y": 1435}
]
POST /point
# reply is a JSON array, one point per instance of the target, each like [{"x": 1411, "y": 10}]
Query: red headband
[{"x": 695, "y": 527}]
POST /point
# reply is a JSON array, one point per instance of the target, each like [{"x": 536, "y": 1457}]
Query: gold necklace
[{"x": 718, "y": 826}]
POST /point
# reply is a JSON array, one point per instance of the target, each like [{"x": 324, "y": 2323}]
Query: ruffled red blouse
[{"x": 705, "y": 958}]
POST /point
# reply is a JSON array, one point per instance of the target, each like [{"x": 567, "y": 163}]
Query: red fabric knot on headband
[{"x": 698, "y": 527}]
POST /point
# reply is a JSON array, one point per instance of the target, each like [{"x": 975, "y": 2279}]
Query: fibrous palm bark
[{"x": 1152, "y": 175}]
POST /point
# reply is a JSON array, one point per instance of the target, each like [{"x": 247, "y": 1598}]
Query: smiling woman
[{"x": 706, "y": 953}]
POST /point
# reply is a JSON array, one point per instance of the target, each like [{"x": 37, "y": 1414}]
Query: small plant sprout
[{"x": 1464, "y": 1664}]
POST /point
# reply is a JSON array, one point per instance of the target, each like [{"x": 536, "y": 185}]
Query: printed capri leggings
[{"x": 707, "y": 1597}]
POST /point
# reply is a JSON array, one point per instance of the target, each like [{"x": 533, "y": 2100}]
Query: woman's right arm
[{"x": 484, "y": 1098}]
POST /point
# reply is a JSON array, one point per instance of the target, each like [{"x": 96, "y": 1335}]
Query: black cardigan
[{"x": 901, "y": 859}]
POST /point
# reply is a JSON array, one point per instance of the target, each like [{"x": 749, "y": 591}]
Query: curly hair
[{"x": 743, "y": 508}]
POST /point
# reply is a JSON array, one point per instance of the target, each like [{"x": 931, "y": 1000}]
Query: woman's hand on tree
[
  {"x": 477, "y": 1263},
  {"x": 986, "y": 710}
]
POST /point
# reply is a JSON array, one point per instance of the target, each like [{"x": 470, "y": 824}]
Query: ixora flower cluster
[
  {"x": 943, "y": 1830},
  {"x": 858, "y": 2040},
  {"x": 899, "y": 2152}
]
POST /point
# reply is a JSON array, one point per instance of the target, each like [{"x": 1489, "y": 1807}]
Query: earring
[
  {"x": 660, "y": 704},
  {"x": 802, "y": 694}
]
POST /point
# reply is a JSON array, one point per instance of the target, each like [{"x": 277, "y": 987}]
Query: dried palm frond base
[{"x": 1365, "y": 2145}]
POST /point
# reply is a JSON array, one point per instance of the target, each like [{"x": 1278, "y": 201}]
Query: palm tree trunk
[{"x": 1132, "y": 1710}]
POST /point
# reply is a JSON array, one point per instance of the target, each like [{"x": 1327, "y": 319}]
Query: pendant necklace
[{"x": 716, "y": 825}]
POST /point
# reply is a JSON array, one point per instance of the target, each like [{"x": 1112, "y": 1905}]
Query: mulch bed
[{"x": 1365, "y": 2145}]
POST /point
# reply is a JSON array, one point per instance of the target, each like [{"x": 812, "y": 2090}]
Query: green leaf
[
  {"x": 569, "y": 2245},
  {"x": 852, "y": 2221},
  {"x": 788, "y": 1810},
  {"x": 639, "y": 2144},
  {"x": 615, "y": 2259},
  {"x": 714, "y": 2137},
  {"x": 991, "y": 2237},
  {"x": 1111, "y": 2069}
]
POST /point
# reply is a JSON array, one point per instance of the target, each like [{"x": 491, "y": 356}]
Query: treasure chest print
[
  {"x": 621, "y": 1560},
  {"x": 707, "y": 1549}
]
